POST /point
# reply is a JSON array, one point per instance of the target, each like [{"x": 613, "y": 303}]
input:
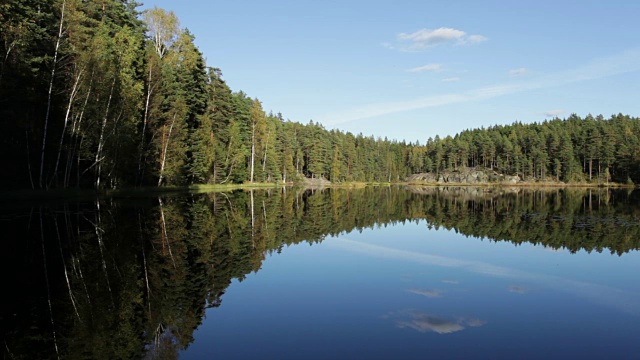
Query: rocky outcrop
[
  {"x": 316, "y": 182},
  {"x": 464, "y": 176}
]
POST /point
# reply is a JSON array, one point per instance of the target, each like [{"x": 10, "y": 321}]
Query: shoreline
[{"x": 79, "y": 194}]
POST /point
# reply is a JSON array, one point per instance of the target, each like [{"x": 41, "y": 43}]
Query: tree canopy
[{"x": 98, "y": 94}]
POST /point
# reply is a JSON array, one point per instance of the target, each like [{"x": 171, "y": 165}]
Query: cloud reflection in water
[
  {"x": 423, "y": 322},
  {"x": 427, "y": 293}
]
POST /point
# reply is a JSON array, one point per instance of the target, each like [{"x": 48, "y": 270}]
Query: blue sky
[{"x": 410, "y": 70}]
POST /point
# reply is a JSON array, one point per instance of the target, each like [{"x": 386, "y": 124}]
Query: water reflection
[
  {"x": 422, "y": 322},
  {"x": 130, "y": 277},
  {"x": 622, "y": 300},
  {"x": 518, "y": 289},
  {"x": 427, "y": 293}
]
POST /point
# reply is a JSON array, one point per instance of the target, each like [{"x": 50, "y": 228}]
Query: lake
[{"x": 373, "y": 273}]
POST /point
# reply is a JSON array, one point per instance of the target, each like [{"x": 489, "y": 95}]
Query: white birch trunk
[{"x": 49, "y": 95}]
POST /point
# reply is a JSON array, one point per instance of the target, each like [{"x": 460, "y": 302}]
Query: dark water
[{"x": 392, "y": 273}]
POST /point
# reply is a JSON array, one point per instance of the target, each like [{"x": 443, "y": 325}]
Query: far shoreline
[{"x": 8, "y": 196}]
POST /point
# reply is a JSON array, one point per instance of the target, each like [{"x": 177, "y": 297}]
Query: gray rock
[{"x": 465, "y": 176}]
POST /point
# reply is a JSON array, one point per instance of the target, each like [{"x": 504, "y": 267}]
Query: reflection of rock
[
  {"x": 464, "y": 193},
  {"x": 465, "y": 176},
  {"x": 427, "y": 293},
  {"x": 424, "y": 323}
]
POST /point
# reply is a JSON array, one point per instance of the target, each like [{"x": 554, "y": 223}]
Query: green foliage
[{"x": 133, "y": 103}]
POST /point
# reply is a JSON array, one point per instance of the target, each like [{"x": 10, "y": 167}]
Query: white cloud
[
  {"x": 425, "y": 38},
  {"x": 451, "y": 79},
  {"x": 428, "y": 67},
  {"x": 553, "y": 113},
  {"x": 625, "y": 62},
  {"x": 477, "y": 38},
  {"x": 518, "y": 72}
]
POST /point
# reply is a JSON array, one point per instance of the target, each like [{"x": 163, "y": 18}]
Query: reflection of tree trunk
[
  {"x": 144, "y": 263},
  {"x": 46, "y": 278},
  {"x": 75, "y": 260},
  {"x": 64, "y": 266},
  {"x": 26, "y": 134},
  {"x": 99, "y": 232},
  {"x": 164, "y": 233},
  {"x": 264, "y": 214},
  {"x": 252, "y": 222}
]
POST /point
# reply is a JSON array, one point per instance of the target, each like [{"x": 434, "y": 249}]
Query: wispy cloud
[
  {"x": 428, "y": 67},
  {"x": 477, "y": 38},
  {"x": 600, "y": 68},
  {"x": 426, "y": 38},
  {"x": 389, "y": 45},
  {"x": 451, "y": 79},
  {"x": 553, "y": 113},
  {"x": 518, "y": 72}
]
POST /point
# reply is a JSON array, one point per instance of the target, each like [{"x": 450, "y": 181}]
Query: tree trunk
[
  {"x": 49, "y": 95},
  {"x": 266, "y": 147},
  {"x": 74, "y": 92},
  {"x": 99, "y": 158},
  {"x": 164, "y": 152},
  {"x": 145, "y": 118},
  {"x": 253, "y": 148}
]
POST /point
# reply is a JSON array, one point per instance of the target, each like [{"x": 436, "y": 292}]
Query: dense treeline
[
  {"x": 97, "y": 94},
  {"x": 121, "y": 278},
  {"x": 570, "y": 150}
]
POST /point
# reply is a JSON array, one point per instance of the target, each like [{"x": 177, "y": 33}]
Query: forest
[
  {"x": 98, "y": 94},
  {"x": 124, "y": 278}
]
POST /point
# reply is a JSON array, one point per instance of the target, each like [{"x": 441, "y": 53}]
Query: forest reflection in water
[{"x": 133, "y": 277}]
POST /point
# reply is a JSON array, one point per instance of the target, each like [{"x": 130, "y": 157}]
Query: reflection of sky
[
  {"x": 402, "y": 291},
  {"x": 623, "y": 300}
]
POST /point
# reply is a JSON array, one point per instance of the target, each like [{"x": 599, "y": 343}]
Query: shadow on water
[{"x": 118, "y": 278}]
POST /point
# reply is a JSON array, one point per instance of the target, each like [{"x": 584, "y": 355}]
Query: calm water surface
[{"x": 375, "y": 273}]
